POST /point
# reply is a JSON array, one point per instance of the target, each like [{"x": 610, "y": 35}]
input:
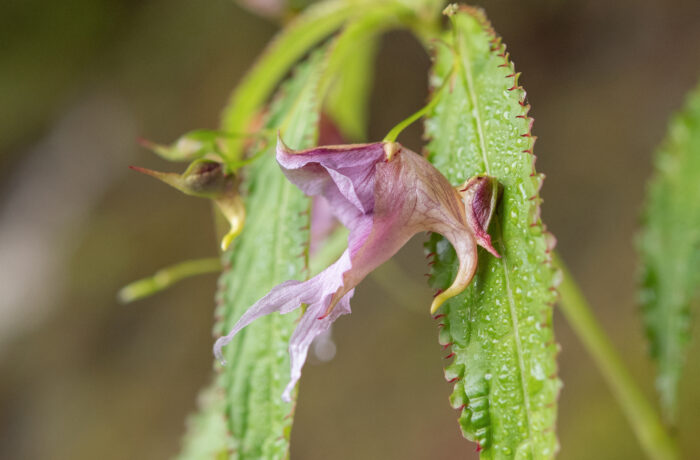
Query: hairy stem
[{"x": 644, "y": 420}]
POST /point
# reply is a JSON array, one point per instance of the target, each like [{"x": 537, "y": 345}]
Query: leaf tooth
[
  {"x": 458, "y": 398},
  {"x": 444, "y": 335},
  {"x": 507, "y": 64},
  {"x": 454, "y": 372}
]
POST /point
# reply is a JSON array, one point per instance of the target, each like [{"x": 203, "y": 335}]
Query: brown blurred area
[{"x": 83, "y": 377}]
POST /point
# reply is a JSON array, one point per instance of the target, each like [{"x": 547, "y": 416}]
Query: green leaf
[
  {"x": 500, "y": 328},
  {"x": 272, "y": 248},
  {"x": 669, "y": 247}
]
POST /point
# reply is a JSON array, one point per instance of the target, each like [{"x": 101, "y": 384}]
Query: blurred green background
[{"x": 83, "y": 377}]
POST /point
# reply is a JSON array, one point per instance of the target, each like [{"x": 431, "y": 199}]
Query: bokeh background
[{"x": 83, "y": 377}]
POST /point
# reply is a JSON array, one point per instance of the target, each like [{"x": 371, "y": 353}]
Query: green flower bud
[{"x": 208, "y": 179}]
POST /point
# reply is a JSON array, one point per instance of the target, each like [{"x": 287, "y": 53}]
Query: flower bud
[{"x": 207, "y": 179}]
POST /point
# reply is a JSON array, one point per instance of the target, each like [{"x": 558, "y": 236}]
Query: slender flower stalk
[{"x": 166, "y": 277}]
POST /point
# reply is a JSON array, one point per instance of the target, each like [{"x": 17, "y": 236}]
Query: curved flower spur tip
[
  {"x": 231, "y": 206},
  {"x": 207, "y": 179},
  {"x": 465, "y": 248},
  {"x": 480, "y": 195}
]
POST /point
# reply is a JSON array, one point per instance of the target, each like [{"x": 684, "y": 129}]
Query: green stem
[
  {"x": 396, "y": 130},
  {"x": 166, "y": 277},
  {"x": 645, "y": 422}
]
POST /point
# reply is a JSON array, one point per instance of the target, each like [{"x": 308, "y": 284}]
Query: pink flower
[{"x": 384, "y": 194}]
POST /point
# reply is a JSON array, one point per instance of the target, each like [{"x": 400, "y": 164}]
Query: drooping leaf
[
  {"x": 500, "y": 329},
  {"x": 244, "y": 409},
  {"x": 669, "y": 247}
]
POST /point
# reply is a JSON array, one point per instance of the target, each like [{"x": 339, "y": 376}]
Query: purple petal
[
  {"x": 323, "y": 222},
  {"x": 313, "y": 323},
  {"x": 344, "y": 175},
  {"x": 317, "y": 293}
]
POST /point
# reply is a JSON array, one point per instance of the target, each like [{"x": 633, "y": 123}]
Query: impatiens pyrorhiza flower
[{"x": 384, "y": 194}]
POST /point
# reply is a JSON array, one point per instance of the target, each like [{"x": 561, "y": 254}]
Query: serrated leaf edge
[{"x": 498, "y": 48}]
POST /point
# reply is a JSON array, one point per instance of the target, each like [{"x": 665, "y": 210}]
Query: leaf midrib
[
  {"x": 468, "y": 82},
  {"x": 516, "y": 335}
]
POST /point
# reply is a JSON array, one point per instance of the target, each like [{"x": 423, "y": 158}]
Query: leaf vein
[{"x": 516, "y": 334}]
